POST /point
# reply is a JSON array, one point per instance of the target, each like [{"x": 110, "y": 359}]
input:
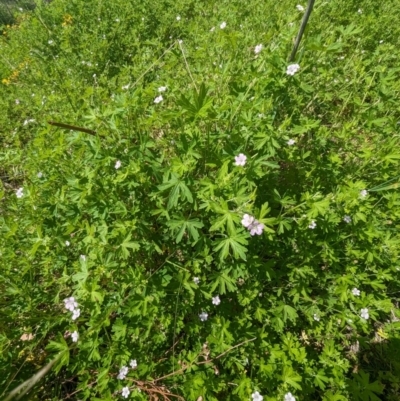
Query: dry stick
[
  {"x": 310, "y": 6},
  {"x": 187, "y": 65},
  {"x": 28, "y": 384},
  {"x": 73, "y": 127}
]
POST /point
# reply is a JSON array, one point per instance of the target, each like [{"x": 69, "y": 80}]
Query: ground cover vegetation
[{"x": 228, "y": 229}]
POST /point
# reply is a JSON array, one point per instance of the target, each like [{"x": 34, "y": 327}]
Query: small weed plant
[{"x": 227, "y": 228}]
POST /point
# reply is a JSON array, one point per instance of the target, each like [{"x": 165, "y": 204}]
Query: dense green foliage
[{"x": 141, "y": 222}]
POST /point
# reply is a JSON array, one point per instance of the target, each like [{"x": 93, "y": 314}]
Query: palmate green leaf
[
  {"x": 185, "y": 226},
  {"x": 60, "y": 346},
  {"x": 82, "y": 275},
  {"x": 128, "y": 245},
  {"x": 232, "y": 244},
  {"x": 320, "y": 379},
  {"x": 119, "y": 329},
  {"x": 228, "y": 219},
  {"x": 330, "y": 396},
  {"x": 223, "y": 282},
  {"x": 179, "y": 188},
  {"x": 290, "y": 377}
]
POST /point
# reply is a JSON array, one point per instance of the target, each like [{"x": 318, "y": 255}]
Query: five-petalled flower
[
  {"x": 291, "y": 142},
  {"x": 223, "y": 25},
  {"x": 256, "y": 396},
  {"x": 312, "y": 225},
  {"x": 300, "y": 7},
  {"x": 70, "y": 303},
  {"x": 203, "y": 316},
  {"x": 240, "y": 159},
  {"x": 20, "y": 192},
  {"x": 123, "y": 372},
  {"x": 258, "y": 48},
  {"x": 289, "y": 397},
  {"x": 216, "y": 300},
  {"x": 133, "y": 363},
  {"x": 75, "y": 314},
  {"x": 118, "y": 164},
  {"x": 196, "y": 280},
  {"x": 75, "y": 336},
  {"x": 363, "y": 193},
  {"x": 158, "y": 99},
  {"x": 356, "y": 292},
  {"x": 364, "y": 313},
  {"x": 292, "y": 69},
  {"x": 125, "y": 392},
  {"x": 347, "y": 219},
  {"x": 253, "y": 225}
]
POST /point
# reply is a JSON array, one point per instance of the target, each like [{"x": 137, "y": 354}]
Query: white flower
[
  {"x": 20, "y": 192},
  {"x": 223, "y": 25},
  {"x": 118, "y": 164},
  {"x": 30, "y": 120},
  {"x": 39, "y": 174},
  {"x": 381, "y": 41},
  {"x": 312, "y": 225},
  {"x": 196, "y": 280},
  {"x": 75, "y": 336},
  {"x": 247, "y": 220},
  {"x": 364, "y": 313},
  {"x": 180, "y": 41},
  {"x": 289, "y": 397},
  {"x": 203, "y": 316},
  {"x": 256, "y": 396},
  {"x": 256, "y": 228},
  {"x": 75, "y": 314},
  {"x": 125, "y": 87},
  {"x": 162, "y": 88},
  {"x": 347, "y": 219},
  {"x": 133, "y": 363},
  {"x": 292, "y": 69},
  {"x": 16, "y": 101},
  {"x": 178, "y": 18},
  {"x": 300, "y": 7},
  {"x": 356, "y": 292},
  {"x": 83, "y": 257},
  {"x": 70, "y": 303},
  {"x": 360, "y": 11},
  {"x": 125, "y": 392},
  {"x": 258, "y": 48},
  {"x": 316, "y": 317},
  {"x": 158, "y": 99},
  {"x": 117, "y": 20},
  {"x": 50, "y": 42},
  {"x": 212, "y": 29},
  {"x": 216, "y": 300},
  {"x": 240, "y": 159},
  {"x": 363, "y": 193},
  {"x": 67, "y": 243},
  {"x": 291, "y": 142},
  {"x": 123, "y": 372}
]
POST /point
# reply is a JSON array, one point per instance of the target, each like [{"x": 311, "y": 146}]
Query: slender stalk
[
  {"x": 24, "y": 387},
  {"x": 303, "y": 25}
]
